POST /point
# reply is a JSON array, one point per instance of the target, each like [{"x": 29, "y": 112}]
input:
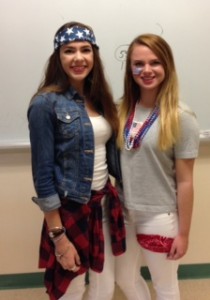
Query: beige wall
[{"x": 20, "y": 219}]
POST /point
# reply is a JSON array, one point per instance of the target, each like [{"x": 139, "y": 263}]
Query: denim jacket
[{"x": 62, "y": 148}]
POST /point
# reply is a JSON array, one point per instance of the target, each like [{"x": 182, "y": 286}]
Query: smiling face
[
  {"x": 150, "y": 73},
  {"x": 77, "y": 60}
]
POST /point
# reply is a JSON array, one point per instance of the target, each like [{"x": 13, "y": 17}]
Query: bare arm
[
  {"x": 184, "y": 177},
  {"x": 70, "y": 257}
]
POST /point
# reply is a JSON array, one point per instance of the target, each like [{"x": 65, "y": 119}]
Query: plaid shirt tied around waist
[{"x": 83, "y": 223}]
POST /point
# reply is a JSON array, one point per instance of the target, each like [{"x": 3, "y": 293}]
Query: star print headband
[{"x": 73, "y": 34}]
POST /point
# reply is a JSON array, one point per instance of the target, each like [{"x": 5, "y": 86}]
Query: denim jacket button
[
  {"x": 68, "y": 117},
  {"x": 89, "y": 151}
]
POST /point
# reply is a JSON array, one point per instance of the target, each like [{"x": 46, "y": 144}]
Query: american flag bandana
[
  {"x": 73, "y": 34},
  {"x": 155, "y": 242}
]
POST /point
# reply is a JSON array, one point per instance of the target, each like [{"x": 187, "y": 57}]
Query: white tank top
[{"x": 102, "y": 132}]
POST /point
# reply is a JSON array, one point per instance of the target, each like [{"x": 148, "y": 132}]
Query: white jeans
[
  {"x": 127, "y": 269},
  {"x": 76, "y": 289},
  {"x": 102, "y": 285},
  {"x": 123, "y": 270},
  {"x": 163, "y": 271}
]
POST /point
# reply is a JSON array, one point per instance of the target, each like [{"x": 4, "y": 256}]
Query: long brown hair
[
  {"x": 96, "y": 86},
  {"x": 167, "y": 98}
]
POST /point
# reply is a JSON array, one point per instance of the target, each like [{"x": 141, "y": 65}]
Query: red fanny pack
[{"x": 155, "y": 243}]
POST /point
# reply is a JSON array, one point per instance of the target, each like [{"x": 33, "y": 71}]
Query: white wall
[
  {"x": 20, "y": 219},
  {"x": 27, "y": 30}
]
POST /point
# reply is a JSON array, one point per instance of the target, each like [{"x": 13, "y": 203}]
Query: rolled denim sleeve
[
  {"x": 47, "y": 204},
  {"x": 42, "y": 122}
]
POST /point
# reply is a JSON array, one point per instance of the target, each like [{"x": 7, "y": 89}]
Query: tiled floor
[{"x": 190, "y": 290}]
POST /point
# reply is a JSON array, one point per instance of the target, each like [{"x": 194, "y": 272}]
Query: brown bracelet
[
  {"x": 56, "y": 231},
  {"x": 55, "y": 240}
]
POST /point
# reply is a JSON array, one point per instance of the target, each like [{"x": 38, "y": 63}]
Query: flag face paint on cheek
[{"x": 136, "y": 70}]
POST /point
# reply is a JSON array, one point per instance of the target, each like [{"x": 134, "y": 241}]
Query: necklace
[{"x": 134, "y": 137}]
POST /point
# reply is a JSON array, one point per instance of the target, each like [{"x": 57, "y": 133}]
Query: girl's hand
[
  {"x": 178, "y": 248},
  {"x": 67, "y": 255}
]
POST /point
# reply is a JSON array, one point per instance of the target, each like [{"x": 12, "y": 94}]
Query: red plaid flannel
[{"x": 83, "y": 223}]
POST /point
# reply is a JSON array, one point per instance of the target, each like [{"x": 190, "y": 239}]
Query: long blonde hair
[{"x": 168, "y": 95}]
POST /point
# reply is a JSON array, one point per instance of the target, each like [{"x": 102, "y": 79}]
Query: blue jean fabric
[{"x": 62, "y": 147}]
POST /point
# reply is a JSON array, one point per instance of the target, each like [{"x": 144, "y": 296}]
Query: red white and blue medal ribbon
[{"x": 134, "y": 141}]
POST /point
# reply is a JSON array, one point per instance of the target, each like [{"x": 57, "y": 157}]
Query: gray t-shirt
[{"x": 149, "y": 181}]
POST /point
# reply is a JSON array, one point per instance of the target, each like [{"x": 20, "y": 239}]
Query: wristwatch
[{"x": 56, "y": 231}]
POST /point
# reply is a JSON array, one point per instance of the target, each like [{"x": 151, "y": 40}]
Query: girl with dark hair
[{"x": 73, "y": 124}]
